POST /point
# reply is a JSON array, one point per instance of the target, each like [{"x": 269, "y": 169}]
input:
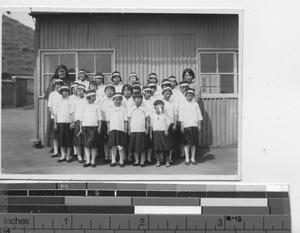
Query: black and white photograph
[{"x": 122, "y": 95}]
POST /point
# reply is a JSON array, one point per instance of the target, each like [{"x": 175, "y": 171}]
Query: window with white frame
[
  {"x": 218, "y": 72},
  {"x": 92, "y": 61}
]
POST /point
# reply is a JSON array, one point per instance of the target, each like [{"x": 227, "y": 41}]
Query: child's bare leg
[
  {"x": 75, "y": 150},
  {"x": 143, "y": 157},
  {"x": 63, "y": 152},
  {"x": 122, "y": 155},
  {"x": 187, "y": 150},
  {"x": 129, "y": 156},
  {"x": 55, "y": 146},
  {"x": 113, "y": 154},
  {"x": 182, "y": 149},
  {"x": 193, "y": 152},
  {"x": 69, "y": 150},
  {"x": 170, "y": 156},
  {"x": 94, "y": 155},
  {"x": 158, "y": 156},
  {"x": 168, "y": 159},
  {"x": 87, "y": 154},
  {"x": 136, "y": 157},
  {"x": 79, "y": 155},
  {"x": 106, "y": 151},
  {"x": 149, "y": 153}
]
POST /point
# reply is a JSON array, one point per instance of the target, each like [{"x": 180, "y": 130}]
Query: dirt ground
[{"x": 20, "y": 157}]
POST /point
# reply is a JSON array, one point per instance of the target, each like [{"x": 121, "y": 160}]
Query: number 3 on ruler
[{"x": 220, "y": 222}]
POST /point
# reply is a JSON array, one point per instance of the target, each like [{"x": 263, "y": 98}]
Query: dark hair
[
  {"x": 93, "y": 83},
  {"x": 128, "y": 87},
  {"x": 137, "y": 95},
  {"x": 190, "y": 71}
]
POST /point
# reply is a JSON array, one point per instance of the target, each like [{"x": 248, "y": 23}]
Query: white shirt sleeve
[
  {"x": 99, "y": 113},
  {"x": 50, "y": 100}
]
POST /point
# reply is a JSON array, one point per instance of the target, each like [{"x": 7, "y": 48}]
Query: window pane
[
  {"x": 69, "y": 61},
  {"x": 208, "y": 63},
  {"x": 103, "y": 63},
  {"x": 227, "y": 83},
  {"x": 50, "y": 63},
  {"x": 46, "y": 82},
  {"x": 225, "y": 63},
  {"x": 86, "y": 61}
]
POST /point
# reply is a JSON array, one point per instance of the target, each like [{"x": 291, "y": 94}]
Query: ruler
[{"x": 143, "y": 208}]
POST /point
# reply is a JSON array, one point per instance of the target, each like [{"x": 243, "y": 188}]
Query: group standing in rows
[{"x": 129, "y": 123}]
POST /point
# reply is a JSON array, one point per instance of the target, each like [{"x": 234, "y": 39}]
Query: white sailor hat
[
  {"x": 166, "y": 89},
  {"x": 152, "y": 85},
  {"x": 165, "y": 82},
  {"x": 64, "y": 88},
  {"x": 117, "y": 94},
  {"x": 90, "y": 93},
  {"x": 82, "y": 71},
  {"x": 190, "y": 91},
  {"x": 81, "y": 86},
  {"x": 133, "y": 74}
]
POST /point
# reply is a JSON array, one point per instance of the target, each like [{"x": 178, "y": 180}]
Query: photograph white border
[{"x": 149, "y": 177}]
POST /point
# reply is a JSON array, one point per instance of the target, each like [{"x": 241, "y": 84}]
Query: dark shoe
[
  {"x": 113, "y": 164},
  {"x": 80, "y": 161},
  {"x": 121, "y": 165},
  {"x": 142, "y": 165},
  {"x": 129, "y": 162},
  {"x": 135, "y": 164},
  {"x": 168, "y": 164},
  {"x": 68, "y": 160},
  {"x": 86, "y": 164},
  {"x": 106, "y": 161},
  {"x": 93, "y": 165},
  {"x": 187, "y": 163},
  {"x": 54, "y": 155},
  {"x": 194, "y": 163},
  {"x": 61, "y": 160}
]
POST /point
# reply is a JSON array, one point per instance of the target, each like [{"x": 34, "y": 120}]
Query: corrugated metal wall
[{"x": 162, "y": 43}]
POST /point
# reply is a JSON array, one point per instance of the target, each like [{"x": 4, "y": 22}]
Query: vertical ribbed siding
[
  {"x": 220, "y": 122},
  {"x": 144, "y": 43},
  {"x": 159, "y": 54}
]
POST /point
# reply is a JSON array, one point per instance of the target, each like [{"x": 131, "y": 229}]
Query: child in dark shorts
[
  {"x": 79, "y": 105},
  {"x": 105, "y": 104},
  {"x": 90, "y": 125},
  {"x": 148, "y": 101},
  {"x": 190, "y": 117},
  {"x": 159, "y": 133},
  {"x": 138, "y": 117},
  {"x": 117, "y": 128},
  {"x": 54, "y": 97},
  {"x": 63, "y": 120}
]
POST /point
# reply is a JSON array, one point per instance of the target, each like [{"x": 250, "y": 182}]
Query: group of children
[{"x": 130, "y": 123}]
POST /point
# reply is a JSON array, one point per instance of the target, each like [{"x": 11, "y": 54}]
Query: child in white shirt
[
  {"x": 171, "y": 111},
  {"x": 138, "y": 126},
  {"x": 63, "y": 120},
  {"x": 117, "y": 128},
  {"x": 105, "y": 104},
  {"x": 54, "y": 97},
  {"x": 159, "y": 132},
  {"x": 190, "y": 126},
  {"x": 79, "y": 105},
  {"x": 90, "y": 125}
]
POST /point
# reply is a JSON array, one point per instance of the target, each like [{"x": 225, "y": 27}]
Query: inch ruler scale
[{"x": 143, "y": 208}]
